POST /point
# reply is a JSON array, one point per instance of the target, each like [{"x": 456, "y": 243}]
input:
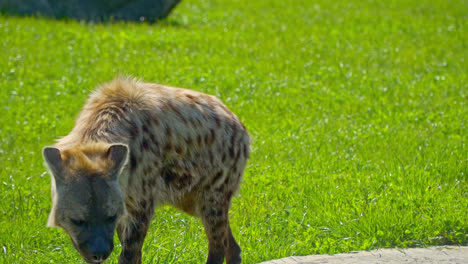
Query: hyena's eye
[
  {"x": 111, "y": 219},
  {"x": 77, "y": 222}
]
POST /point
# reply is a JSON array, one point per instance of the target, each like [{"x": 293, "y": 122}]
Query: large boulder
[{"x": 93, "y": 10}]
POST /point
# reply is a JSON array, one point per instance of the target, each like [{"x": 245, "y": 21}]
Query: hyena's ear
[
  {"x": 118, "y": 154},
  {"x": 54, "y": 161}
]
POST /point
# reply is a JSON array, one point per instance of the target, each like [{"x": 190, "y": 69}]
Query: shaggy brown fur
[{"x": 185, "y": 149}]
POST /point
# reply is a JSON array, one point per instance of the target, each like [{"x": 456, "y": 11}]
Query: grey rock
[
  {"x": 431, "y": 255},
  {"x": 91, "y": 10}
]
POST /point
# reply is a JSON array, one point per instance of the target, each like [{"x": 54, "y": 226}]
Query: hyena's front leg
[{"x": 132, "y": 232}]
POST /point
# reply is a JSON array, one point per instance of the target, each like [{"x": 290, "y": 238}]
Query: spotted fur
[{"x": 186, "y": 149}]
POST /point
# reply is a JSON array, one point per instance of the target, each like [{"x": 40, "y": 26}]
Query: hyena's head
[{"x": 87, "y": 200}]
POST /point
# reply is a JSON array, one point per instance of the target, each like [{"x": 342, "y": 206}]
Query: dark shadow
[{"x": 91, "y": 10}]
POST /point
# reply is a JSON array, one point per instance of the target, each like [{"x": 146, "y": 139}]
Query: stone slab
[{"x": 439, "y": 255}]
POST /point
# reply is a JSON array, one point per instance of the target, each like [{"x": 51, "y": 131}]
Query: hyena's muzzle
[{"x": 95, "y": 243}]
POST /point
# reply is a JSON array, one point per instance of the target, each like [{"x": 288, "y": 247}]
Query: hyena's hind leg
[
  {"x": 132, "y": 232},
  {"x": 221, "y": 243},
  {"x": 232, "y": 250}
]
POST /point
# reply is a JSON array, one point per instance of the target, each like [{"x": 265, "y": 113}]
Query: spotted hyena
[{"x": 138, "y": 145}]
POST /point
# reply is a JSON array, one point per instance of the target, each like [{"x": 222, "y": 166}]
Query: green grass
[{"x": 357, "y": 111}]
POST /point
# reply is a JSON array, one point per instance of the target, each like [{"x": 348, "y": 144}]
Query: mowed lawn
[{"x": 357, "y": 112}]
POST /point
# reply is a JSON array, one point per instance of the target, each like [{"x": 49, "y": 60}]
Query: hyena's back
[{"x": 182, "y": 143}]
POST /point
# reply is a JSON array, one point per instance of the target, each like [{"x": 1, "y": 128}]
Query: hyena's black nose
[{"x": 100, "y": 249}]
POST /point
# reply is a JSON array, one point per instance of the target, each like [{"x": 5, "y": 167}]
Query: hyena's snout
[
  {"x": 97, "y": 248},
  {"x": 100, "y": 249}
]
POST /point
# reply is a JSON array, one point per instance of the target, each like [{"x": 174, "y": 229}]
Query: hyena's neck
[
  {"x": 99, "y": 127},
  {"x": 109, "y": 114}
]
